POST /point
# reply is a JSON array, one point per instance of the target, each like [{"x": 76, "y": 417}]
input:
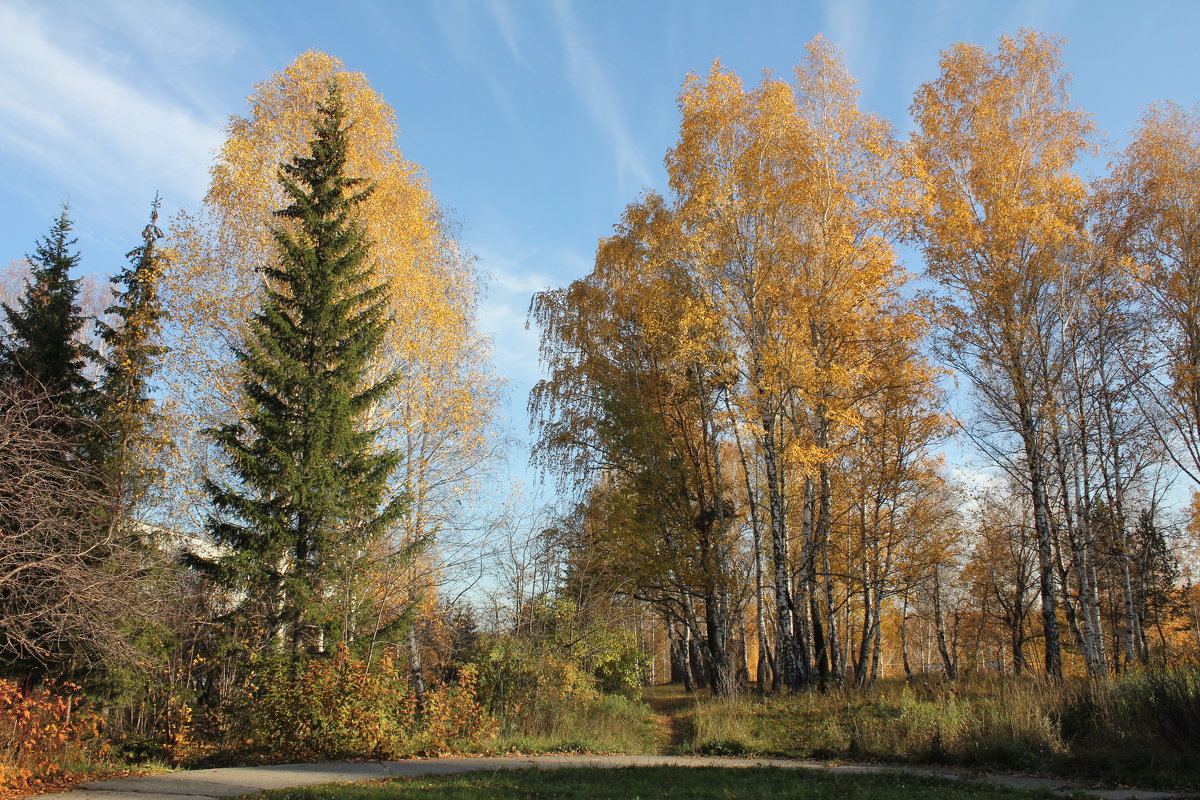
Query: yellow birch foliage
[
  {"x": 439, "y": 417},
  {"x": 1151, "y": 214},
  {"x": 998, "y": 204},
  {"x": 784, "y": 192},
  {"x": 1000, "y": 216}
]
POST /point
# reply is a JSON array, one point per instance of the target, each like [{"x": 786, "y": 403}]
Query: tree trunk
[
  {"x": 823, "y": 534},
  {"x": 763, "y": 668},
  {"x": 681, "y": 662},
  {"x": 940, "y": 627},
  {"x": 695, "y": 642},
  {"x": 720, "y": 658},
  {"x": 414, "y": 666},
  {"x": 1045, "y": 545},
  {"x": 790, "y": 672}
]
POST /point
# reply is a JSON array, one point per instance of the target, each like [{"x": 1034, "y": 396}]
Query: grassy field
[
  {"x": 603, "y": 724},
  {"x": 1141, "y": 729},
  {"x": 653, "y": 782}
]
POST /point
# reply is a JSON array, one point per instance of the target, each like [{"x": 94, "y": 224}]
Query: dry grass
[
  {"x": 1143, "y": 727},
  {"x": 591, "y": 723}
]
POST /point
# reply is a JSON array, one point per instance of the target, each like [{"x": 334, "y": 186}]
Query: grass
[
  {"x": 654, "y": 782},
  {"x": 1142, "y": 728},
  {"x": 595, "y": 723}
]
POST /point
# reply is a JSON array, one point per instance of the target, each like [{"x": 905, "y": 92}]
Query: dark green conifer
[
  {"x": 309, "y": 481},
  {"x": 42, "y": 346}
]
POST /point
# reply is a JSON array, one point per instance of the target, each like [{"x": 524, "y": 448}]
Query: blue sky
[{"x": 535, "y": 121}]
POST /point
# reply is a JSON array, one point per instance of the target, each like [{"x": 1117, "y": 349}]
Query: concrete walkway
[{"x": 205, "y": 784}]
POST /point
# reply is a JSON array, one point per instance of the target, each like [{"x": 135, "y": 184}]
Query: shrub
[
  {"x": 528, "y": 686},
  {"x": 454, "y": 718},
  {"x": 547, "y": 700},
  {"x": 44, "y": 734},
  {"x": 337, "y": 708}
]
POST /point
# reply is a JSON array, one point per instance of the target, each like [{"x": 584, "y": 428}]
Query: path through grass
[{"x": 672, "y": 708}]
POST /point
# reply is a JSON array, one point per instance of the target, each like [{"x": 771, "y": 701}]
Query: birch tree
[{"x": 999, "y": 211}]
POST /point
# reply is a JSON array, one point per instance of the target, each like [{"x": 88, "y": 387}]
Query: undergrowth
[
  {"x": 338, "y": 708},
  {"x": 1142, "y": 727},
  {"x": 46, "y": 735}
]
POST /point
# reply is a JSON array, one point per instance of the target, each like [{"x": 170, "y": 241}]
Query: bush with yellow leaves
[
  {"x": 45, "y": 733},
  {"x": 337, "y": 708}
]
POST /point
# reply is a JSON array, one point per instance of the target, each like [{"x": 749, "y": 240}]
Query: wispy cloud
[
  {"x": 85, "y": 119},
  {"x": 600, "y": 97},
  {"x": 516, "y": 347},
  {"x": 171, "y": 40},
  {"x": 512, "y": 279},
  {"x": 513, "y": 274},
  {"x": 502, "y": 18},
  {"x": 471, "y": 43},
  {"x": 848, "y": 24},
  {"x": 507, "y": 276}
]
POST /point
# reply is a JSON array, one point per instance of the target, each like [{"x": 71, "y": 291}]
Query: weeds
[
  {"x": 1143, "y": 726},
  {"x": 591, "y": 723}
]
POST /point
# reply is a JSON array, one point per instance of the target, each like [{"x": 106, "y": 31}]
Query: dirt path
[{"x": 672, "y": 708}]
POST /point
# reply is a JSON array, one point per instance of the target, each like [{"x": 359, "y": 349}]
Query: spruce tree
[
  {"x": 42, "y": 346},
  {"x": 310, "y": 482},
  {"x": 126, "y": 433}
]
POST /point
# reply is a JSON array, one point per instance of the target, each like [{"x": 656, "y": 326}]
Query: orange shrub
[
  {"x": 454, "y": 716},
  {"x": 43, "y": 735}
]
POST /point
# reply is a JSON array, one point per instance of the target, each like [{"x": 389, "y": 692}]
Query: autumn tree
[
  {"x": 1000, "y": 213},
  {"x": 1158, "y": 187},
  {"x": 1149, "y": 216},
  {"x": 632, "y": 399},
  {"x": 747, "y": 334},
  {"x": 888, "y": 479},
  {"x": 1003, "y": 568},
  {"x": 782, "y": 193},
  {"x": 129, "y": 439},
  {"x": 311, "y": 483}
]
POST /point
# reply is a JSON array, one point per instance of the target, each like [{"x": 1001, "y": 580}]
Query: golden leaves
[
  {"x": 769, "y": 273},
  {"x": 785, "y": 210},
  {"x": 996, "y": 139}
]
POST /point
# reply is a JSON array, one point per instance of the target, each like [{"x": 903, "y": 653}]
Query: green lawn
[{"x": 654, "y": 782}]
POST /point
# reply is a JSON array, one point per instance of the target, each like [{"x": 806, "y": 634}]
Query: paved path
[{"x": 205, "y": 784}]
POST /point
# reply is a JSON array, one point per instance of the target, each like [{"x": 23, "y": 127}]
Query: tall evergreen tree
[
  {"x": 310, "y": 481},
  {"x": 126, "y": 433},
  {"x": 43, "y": 345}
]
